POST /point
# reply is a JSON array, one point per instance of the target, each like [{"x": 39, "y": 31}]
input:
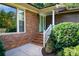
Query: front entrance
[
  {"x": 48, "y": 20},
  {"x": 42, "y": 23}
]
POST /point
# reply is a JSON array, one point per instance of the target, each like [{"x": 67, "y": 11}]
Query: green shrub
[
  {"x": 10, "y": 29},
  {"x": 2, "y": 50},
  {"x": 70, "y": 51},
  {"x": 65, "y": 35}
]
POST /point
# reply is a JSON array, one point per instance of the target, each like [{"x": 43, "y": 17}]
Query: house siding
[
  {"x": 68, "y": 17},
  {"x": 16, "y": 40}
]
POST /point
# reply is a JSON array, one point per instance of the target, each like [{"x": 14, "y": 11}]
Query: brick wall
[
  {"x": 69, "y": 17},
  {"x": 32, "y": 23},
  {"x": 15, "y": 40}
]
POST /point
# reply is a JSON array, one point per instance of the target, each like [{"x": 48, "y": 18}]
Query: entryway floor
[{"x": 25, "y": 50}]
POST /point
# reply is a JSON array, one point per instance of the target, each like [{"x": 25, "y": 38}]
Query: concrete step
[
  {"x": 37, "y": 41},
  {"x": 38, "y": 38}
]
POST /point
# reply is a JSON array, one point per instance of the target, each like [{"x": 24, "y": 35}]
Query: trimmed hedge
[{"x": 64, "y": 35}]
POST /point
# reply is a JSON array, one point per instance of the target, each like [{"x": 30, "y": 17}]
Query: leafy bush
[
  {"x": 70, "y": 51},
  {"x": 11, "y": 29},
  {"x": 2, "y": 50},
  {"x": 64, "y": 35}
]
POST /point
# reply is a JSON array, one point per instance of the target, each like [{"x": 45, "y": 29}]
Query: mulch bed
[{"x": 47, "y": 54}]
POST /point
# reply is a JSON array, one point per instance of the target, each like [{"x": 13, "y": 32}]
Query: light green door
[{"x": 42, "y": 23}]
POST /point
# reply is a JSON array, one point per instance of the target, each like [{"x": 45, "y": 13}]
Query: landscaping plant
[
  {"x": 2, "y": 50},
  {"x": 64, "y": 35},
  {"x": 49, "y": 46},
  {"x": 69, "y": 51}
]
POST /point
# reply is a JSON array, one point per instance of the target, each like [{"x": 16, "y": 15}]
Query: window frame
[{"x": 17, "y": 21}]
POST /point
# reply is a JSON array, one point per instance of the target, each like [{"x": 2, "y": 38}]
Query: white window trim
[
  {"x": 17, "y": 21},
  {"x": 17, "y": 25},
  {"x": 24, "y": 21},
  {"x": 11, "y": 33}
]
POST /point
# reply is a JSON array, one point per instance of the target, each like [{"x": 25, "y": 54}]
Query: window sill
[{"x": 12, "y": 33}]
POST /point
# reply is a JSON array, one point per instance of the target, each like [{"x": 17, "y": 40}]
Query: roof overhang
[
  {"x": 47, "y": 10},
  {"x": 31, "y": 8},
  {"x": 24, "y": 6}
]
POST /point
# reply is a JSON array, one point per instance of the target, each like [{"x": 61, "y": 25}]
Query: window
[
  {"x": 21, "y": 20},
  {"x": 11, "y": 19}
]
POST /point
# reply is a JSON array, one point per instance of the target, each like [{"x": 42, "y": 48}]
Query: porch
[
  {"x": 46, "y": 21},
  {"x": 55, "y": 17},
  {"x": 25, "y": 50},
  {"x": 33, "y": 25},
  {"x": 37, "y": 42}
]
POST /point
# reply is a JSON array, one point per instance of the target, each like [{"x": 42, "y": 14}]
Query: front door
[
  {"x": 48, "y": 20},
  {"x": 42, "y": 23}
]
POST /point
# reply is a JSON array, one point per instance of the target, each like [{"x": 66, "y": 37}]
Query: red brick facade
[
  {"x": 31, "y": 23},
  {"x": 67, "y": 17},
  {"x": 15, "y": 40}
]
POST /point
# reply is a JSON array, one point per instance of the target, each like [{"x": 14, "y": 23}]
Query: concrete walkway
[{"x": 25, "y": 50}]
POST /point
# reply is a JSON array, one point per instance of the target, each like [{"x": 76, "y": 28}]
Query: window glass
[
  {"x": 8, "y": 19},
  {"x": 21, "y": 20}
]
